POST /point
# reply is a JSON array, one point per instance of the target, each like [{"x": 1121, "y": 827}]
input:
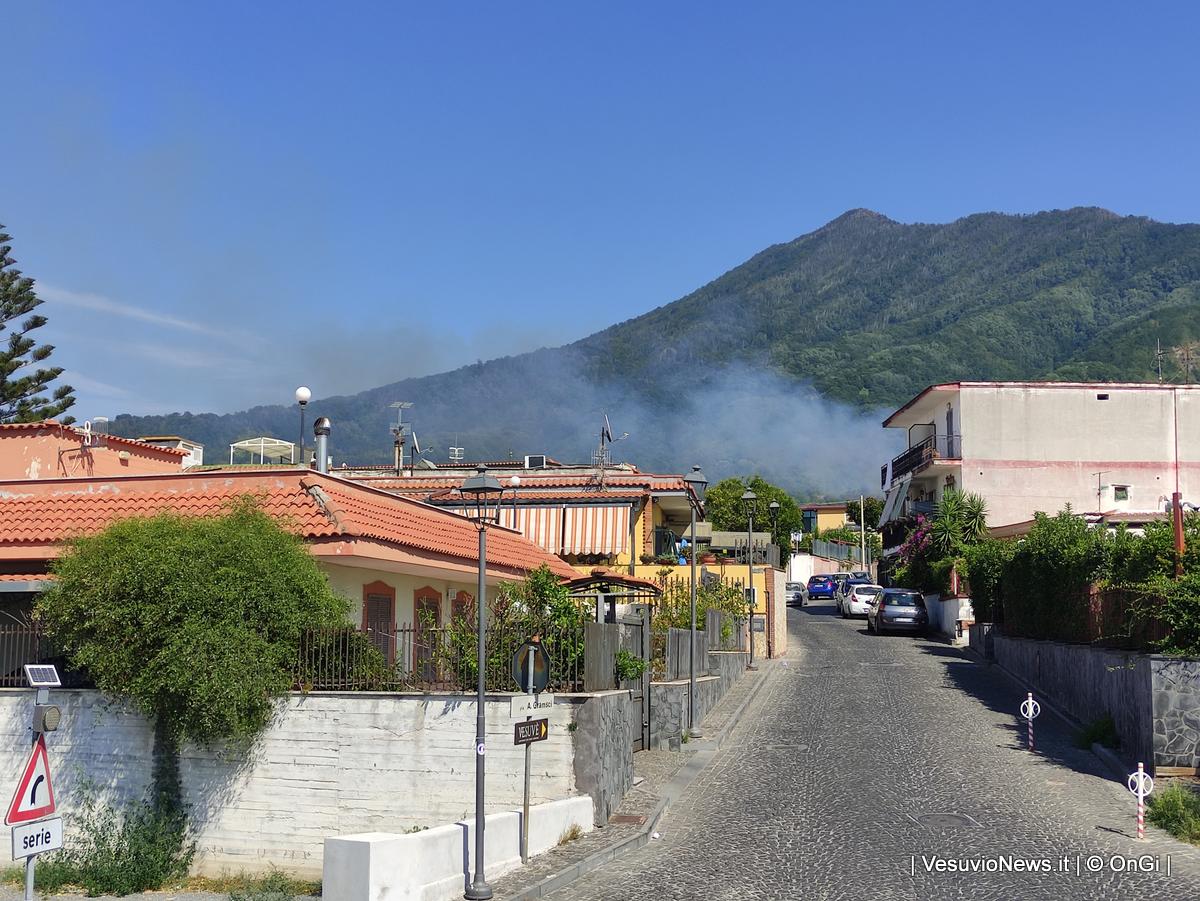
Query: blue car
[{"x": 821, "y": 587}]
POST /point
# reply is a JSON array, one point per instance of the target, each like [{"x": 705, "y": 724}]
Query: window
[
  {"x": 809, "y": 521},
  {"x": 1120, "y": 492},
  {"x": 1101, "y": 397}
]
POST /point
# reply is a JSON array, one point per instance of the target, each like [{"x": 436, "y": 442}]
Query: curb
[
  {"x": 1112, "y": 763},
  {"x": 679, "y": 782}
]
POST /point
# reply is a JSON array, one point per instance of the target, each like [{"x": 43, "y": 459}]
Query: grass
[
  {"x": 570, "y": 834},
  {"x": 1102, "y": 731},
  {"x": 1177, "y": 810},
  {"x": 240, "y": 887}
]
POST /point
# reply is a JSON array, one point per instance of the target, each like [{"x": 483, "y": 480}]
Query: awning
[
  {"x": 595, "y": 529},
  {"x": 541, "y": 525},
  {"x": 894, "y": 502}
]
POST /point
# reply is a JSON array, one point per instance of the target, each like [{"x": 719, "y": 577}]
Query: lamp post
[
  {"x": 749, "y": 498},
  {"x": 485, "y": 492},
  {"x": 303, "y": 396},
  {"x": 697, "y": 482}
]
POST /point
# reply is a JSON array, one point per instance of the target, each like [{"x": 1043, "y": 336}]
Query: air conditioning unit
[{"x": 535, "y": 461}]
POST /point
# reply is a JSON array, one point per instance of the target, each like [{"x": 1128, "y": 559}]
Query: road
[{"x": 854, "y": 738}]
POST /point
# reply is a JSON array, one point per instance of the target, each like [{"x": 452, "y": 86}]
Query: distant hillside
[{"x": 863, "y": 311}]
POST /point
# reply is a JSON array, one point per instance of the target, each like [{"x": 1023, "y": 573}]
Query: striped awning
[
  {"x": 541, "y": 525},
  {"x": 595, "y": 529}
]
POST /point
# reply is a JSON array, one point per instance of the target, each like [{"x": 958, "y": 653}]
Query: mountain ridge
[{"x": 864, "y": 311}]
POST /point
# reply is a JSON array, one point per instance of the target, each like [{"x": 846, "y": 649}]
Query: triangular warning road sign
[{"x": 34, "y": 798}]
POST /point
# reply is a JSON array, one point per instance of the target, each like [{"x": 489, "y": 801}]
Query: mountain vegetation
[{"x": 864, "y": 311}]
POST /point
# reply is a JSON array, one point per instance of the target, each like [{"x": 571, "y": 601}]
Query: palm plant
[{"x": 960, "y": 519}]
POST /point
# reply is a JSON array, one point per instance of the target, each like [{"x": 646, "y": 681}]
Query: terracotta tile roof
[
  {"x": 47, "y": 425},
  {"x": 25, "y": 577},
  {"x": 312, "y": 505}
]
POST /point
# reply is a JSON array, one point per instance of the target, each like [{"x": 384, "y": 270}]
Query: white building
[{"x": 1038, "y": 446}]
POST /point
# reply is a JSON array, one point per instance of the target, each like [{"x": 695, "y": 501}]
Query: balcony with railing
[{"x": 934, "y": 449}]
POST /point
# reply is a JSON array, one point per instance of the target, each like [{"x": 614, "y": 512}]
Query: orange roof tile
[{"x": 313, "y": 505}]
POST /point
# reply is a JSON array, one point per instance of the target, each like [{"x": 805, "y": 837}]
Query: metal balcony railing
[{"x": 917, "y": 457}]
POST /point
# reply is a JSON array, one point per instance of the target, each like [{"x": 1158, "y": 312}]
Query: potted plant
[
  {"x": 707, "y": 555},
  {"x": 646, "y": 559}
]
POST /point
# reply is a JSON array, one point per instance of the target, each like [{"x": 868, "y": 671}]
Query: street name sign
[
  {"x": 527, "y": 705},
  {"x": 529, "y": 731},
  {"x": 34, "y": 797},
  {"x": 36, "y": 838}
]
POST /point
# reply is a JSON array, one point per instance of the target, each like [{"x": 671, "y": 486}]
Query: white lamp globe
[{"x": 303, "y": 395}]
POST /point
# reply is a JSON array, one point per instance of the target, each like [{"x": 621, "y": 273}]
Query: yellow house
[{"x": 819, "y": 517}]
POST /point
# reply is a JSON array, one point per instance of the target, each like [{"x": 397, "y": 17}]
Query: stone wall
[
  {"x": 1154, "y": 701},
  {"x": 603, "y": 759},
  {"x": 1176, "y": 685},
  {"x": 329, "y": 764},
  {"x": 668, "y": 700}
]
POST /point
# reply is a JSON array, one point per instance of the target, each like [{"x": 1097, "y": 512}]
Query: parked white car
[{"x": 859, "y": 598}]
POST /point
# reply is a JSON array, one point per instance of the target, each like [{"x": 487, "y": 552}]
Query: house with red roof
[
  {"x": 397, "y": 560},
  {"x": 51, "y": 450}
]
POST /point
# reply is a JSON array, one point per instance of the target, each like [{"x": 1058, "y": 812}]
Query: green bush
[
  {"x": 1177, "y": 605},
  {"x": 985, "y": 563},
  {"x": 275, "y": 887},
  {"x": 1176, "y": 809},
  {"x": 628, "y": 667},
  {"x": 196, "y": 620},
  {"x": 113, "y": 852},
  {"x": 1047, "y": 583}
]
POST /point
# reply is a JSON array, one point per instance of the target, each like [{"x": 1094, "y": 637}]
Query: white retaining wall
[
  {"x": 329, "y": 764},
  {"x": 438, "y": 863}
]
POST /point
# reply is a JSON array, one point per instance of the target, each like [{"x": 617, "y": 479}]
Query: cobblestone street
[{"x": 820, "y": 791}]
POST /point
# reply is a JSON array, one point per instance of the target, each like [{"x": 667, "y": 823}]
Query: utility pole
[
  {"x": 1158, "y": 357},
  {"x": 862, "y": 531}
]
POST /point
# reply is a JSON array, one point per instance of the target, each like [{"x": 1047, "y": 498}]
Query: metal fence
[
  {"x": 27, "y": 643},
  {"x": 417, "y": 658}
]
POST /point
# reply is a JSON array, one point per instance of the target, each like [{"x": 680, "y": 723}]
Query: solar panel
[{"x": 42, "y": 675}]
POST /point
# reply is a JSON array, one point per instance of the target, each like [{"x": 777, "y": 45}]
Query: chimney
[{"x": 321, "y": 429}]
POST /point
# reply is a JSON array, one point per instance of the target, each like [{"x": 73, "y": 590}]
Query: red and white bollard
[
  {"x": 1030, "y": 709},
  {"x": 1141, "y": 784}
]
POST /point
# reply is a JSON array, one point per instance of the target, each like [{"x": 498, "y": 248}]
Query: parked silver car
[
  {"x": 898, "y": 610},
  {"x": 796, "y": 593}
]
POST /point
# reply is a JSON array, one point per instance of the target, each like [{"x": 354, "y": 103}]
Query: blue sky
[{"x": 221, "y": 201}]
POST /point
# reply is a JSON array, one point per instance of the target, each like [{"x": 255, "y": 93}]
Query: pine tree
[{"x": 22, "y": 391}]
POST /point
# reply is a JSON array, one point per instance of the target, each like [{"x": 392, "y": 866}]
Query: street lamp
[
  {"x": 303, "y": 396},
  {"x": 749, "y": 498},
  {"x": 484, "y": 492},
  {"x": 698, "y": 483}
]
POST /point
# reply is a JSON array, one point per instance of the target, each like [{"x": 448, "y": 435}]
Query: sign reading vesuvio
[{"x": 528, "y": 732}]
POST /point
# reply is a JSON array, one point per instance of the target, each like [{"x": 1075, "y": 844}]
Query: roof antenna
[{"x": 398, "y": 433}]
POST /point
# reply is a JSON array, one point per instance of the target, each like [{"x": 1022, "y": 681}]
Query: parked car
[
  {"x": 797, "y": 593},
  {"x": 839, "y": 578},
  {"x": 898, "y": 609},
  {"x": 821, "y": 587},
  {"x": 844, "y": 588},
  {"x": 861, "y": 574},
  {"x": 858, "y": 600}
]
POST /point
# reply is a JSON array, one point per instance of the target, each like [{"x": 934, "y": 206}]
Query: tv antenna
[
  {"x": 1158, "y": 357},
  {"x": 457, "y": 454},
  {"x": 601, "y": 456},
  {"x": 1100, "y": 488},
  {"x": 399, "y": 432}
]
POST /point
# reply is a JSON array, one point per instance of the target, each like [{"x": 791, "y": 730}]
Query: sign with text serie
[
  {"x": 35, "y": 838},
  {"x": 528, "y": 732}
]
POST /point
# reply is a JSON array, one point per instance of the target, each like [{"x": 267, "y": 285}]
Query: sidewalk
[{"x": 659, "y": 778}]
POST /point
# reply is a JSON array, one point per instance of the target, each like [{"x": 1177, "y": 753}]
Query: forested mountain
[{"x": 864, "y": 311}]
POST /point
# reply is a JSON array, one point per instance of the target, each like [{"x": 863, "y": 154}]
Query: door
[{"x": 379, "y": 618}]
